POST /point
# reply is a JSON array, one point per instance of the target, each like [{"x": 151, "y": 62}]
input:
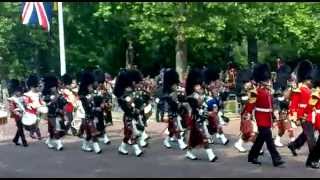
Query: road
[{"x": 38, "y": 161}]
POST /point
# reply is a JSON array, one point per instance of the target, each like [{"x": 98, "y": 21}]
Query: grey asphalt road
[{"x": 38, "y": 161}]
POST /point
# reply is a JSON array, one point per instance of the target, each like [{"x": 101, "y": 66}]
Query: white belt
[
  {"x": 317, "y": 111},
  {"x": 302, "y": 105},
  {"x": 267, "y": 110}
]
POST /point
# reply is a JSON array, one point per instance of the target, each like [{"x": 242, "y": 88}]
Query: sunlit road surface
[{"x": 39, "y": 161}]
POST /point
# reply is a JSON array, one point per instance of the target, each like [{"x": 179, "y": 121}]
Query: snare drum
[
  {"x": 29, "y": 119},
  {"x": 3, "y": 117}
]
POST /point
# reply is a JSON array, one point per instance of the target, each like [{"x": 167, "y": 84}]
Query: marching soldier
[
  {"x": 171, "y": 108},
  {"x": 55, "y": 103},
  {"x": 87, "y": 101},
  {"x": 215, "y": 119},
  {"x": 314, "y": 114},
  {"x": 16, "y": 108},
  {"x": 70, "y": 96},
  {"x": 100, "y": 103},
  {"x": 248, "y": 125},
  {"x": 34, "y": 105},
  {"x": 199, "y": 114},
  {"x": 263, "y": 113},
  {"x": 124, "y": 89},
  {"x": 299, "y": 106}
]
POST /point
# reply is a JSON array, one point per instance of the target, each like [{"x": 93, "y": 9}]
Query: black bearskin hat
[
  {"x": 231, "y": 65},
  {"x": 261, "y": 73},
  {"x": 122, "y": 81},
  {"x": 33, "y": 81},
  {"x": 135, "y": 76},
  {"x": 195, "y": 77},
  {"x": 49, "y": 81},
  {"x": 304, "y": 71},
  {"x": 86, "y": 79},
  {"x": 211, "y": 74},
  {"x": 170, "y": 78},
  {"x": 14, "y": 85},
  {"x": 99, "y": 76},
  {"x": 66, "y": 79},
  {"x": 316, "y": 76}
]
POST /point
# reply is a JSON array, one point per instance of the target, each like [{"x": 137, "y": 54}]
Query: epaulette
[
  {"x": 315, "y": 96},
  {"x": 296, "y": 90}
]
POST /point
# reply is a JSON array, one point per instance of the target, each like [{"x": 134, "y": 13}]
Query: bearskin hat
[
  {"x": 99, "y": 76},
  {"x": 304, "y": 71},
  {"x": 211, "y": 74},
  {"x": 170, "y": 78},
  {"x": 316, "y": 76},
  {"x": 49, "y": 81},
  {"x": 14, "y": 85},
  {"x": 135, "y": 76},
  {"x": 66, "y": 79},
  {"x": 231, "y": 65},
  {"x": 122, "y": 81},
  {"x": 261, "y": 73},
  {"x": 86, "y": 79},
  {"x": 33, "y": 81},
  {"x": 195, "y": 77}
]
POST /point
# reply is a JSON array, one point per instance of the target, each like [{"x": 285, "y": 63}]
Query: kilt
[
  {"x": 213, "y": 122},
  {"x": 247, "y": 127},
  {"x": 197, "y": 135}
]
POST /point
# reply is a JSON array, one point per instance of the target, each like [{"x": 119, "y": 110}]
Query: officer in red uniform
[
  {"x": 304, "y": 72},
  {"x": 263, "y": 114},
  {"x": 313, "y": 110}
]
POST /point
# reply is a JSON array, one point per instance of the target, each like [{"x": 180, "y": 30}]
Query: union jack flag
[{"x": 37, "y": 13}]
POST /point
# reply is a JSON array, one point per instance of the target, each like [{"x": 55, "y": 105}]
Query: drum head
[{"x": 29, "y": 119}]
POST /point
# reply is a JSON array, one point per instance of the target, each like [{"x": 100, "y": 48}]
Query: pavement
[{"x": 37, "y": 160}]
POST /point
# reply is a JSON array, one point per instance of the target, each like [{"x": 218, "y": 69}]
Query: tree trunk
[
  {"x": 252, "y": 49},
  {"x": 181, "y": 56}
]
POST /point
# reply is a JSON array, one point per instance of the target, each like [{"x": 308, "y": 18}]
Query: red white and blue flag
[{"x": 34, "y": 13}]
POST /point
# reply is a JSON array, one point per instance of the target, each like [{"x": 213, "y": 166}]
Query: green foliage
[{"x": 97, "y": 34}]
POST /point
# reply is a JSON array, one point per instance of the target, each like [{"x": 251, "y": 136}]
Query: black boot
[
  {"x": 277, "y": 163},
  {"x": 254, "y": 161},
  {"x": 313, "y": 165},
  {"x": 292, "y": 149},
  {"x": 16, "y": 142}
]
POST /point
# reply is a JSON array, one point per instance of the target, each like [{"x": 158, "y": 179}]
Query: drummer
[
  {"x": 34, "y": 104},
  {"x": 16, "y": 109}
]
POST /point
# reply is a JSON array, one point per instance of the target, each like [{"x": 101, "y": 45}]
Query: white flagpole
[{"x": 61, "y": 40}]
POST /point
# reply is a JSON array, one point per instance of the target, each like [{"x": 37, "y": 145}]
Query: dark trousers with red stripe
[
  {"x": 306, "y": 136},
  {"x": 264, "y": 136}
]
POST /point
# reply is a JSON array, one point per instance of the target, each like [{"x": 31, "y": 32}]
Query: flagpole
[{"x": 61, "y": 40}]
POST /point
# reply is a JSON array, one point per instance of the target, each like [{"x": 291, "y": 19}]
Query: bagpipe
[
  {"x": 248, "y": 125},
  {"x": 56, "y": 104}
]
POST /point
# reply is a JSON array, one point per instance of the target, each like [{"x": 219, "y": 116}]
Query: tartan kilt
[
  {"x": 90, "y": 127},
  {"x": 247, "y": 127},
  {"x": 213, "y": 122},
  {"x": 197, "y": 135}
]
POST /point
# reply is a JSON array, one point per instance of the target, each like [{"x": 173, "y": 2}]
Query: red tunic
[
  {"x": 313, "y": 111},
  {"x": 263, "y": 108},
  {"x": 303, "y": 102},
  {"x": 293, "y": 105}
]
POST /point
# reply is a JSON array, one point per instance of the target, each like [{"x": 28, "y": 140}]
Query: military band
[{"x": 192, "y": 109}]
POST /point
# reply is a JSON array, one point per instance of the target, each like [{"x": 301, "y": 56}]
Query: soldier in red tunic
[
  {"x": 16, "y": 108},
  {"x": 304, "y": 72},
  {"x": 263, "y": 114},
  {"x": 313, "y": 111}
]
